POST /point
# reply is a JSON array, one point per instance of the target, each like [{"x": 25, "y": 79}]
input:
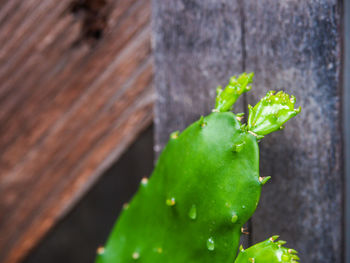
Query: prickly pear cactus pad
[
  {"x": 205, "y": 186},
  {"x": 268, "y": 251}
]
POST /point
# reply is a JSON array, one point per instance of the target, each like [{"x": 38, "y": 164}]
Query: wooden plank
[
  {"x": 88, "y": 224},
  {"x": 76, "y": 91},
  {"x": 198, "y": 46},
  {"x": 291, "y": 46},
  {"x": 346, "y": 127},
  {"x": 299, "y": 52}
]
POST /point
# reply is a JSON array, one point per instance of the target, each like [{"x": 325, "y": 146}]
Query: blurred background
[{"x": 91, "y": 89}]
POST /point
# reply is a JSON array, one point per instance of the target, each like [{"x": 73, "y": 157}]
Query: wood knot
[{"x": 93, "y": 15}]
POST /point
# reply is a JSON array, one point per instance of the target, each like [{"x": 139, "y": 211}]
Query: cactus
[
  {"x": 268, "y": 251},
  {"x": 205, "y": 186}
]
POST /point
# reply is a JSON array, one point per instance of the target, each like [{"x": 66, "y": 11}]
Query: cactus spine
[{"x": 205, "y": 186}]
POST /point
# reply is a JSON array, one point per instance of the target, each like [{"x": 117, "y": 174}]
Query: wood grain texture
[
  {"x": 76, "y": 89},
  {"x": 291, "y": 46},
  {"x": 197, "y": 47},
  {"x": 299, "y": 52}
]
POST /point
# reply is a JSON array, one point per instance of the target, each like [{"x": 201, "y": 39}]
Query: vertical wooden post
[
  {"x": 293, "y": 46},
  {"x": 198, "y": 46},
  {"x": 346, "y": 130}
]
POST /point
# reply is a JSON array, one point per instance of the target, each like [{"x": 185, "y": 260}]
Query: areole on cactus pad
[{"x": 204, "y": 187}]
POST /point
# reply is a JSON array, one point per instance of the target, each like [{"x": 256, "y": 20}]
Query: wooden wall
[
  {"x": 290, "y": 45},
  {"x": 76, "y": 89}
]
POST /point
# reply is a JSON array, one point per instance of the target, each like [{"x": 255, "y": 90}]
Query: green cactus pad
[
  {"x": 205, "y": 186},
  {"x": 268, "y": 251},
  {"x": 195, "y": 203},
  {"x": 271, "y": 112},
  {"x": 235, "y": 88}
]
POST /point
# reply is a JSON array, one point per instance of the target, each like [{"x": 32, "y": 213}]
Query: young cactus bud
[
  {"x": 271, "y": 112},
  {"x": 268, "y": 251},
  {"x": 236, "y": 86}
]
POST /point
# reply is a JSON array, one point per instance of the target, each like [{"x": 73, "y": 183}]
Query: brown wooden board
[
  {"x": 76, "y": 89},
  {"x": 293, "y": 46}
]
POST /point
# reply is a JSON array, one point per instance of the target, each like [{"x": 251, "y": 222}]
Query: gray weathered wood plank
[
  {"x": 299, "y": 52},
  {"x": 346, "y": 128},
  {"x": 197, "y": 47},
  {"x": 291, "y": 46}
]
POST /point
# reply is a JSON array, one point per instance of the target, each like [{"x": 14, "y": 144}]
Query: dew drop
[
  {"x": 170, "y": 202},
  {"x": 243, "y": 206},
  {"x": 210, "y": 244},
  {"x": 234, "y": 218},
  {"x": 193, "y": 212}
]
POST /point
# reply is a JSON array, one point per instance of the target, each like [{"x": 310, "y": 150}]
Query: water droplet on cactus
[
  {"x": 210, "y": 244},
  {"x": 135, "y": 255},
  {"x": 234, "y": 218},
  {"x": 170, "y": 202},
  {"x": 193, "y": 212}
]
